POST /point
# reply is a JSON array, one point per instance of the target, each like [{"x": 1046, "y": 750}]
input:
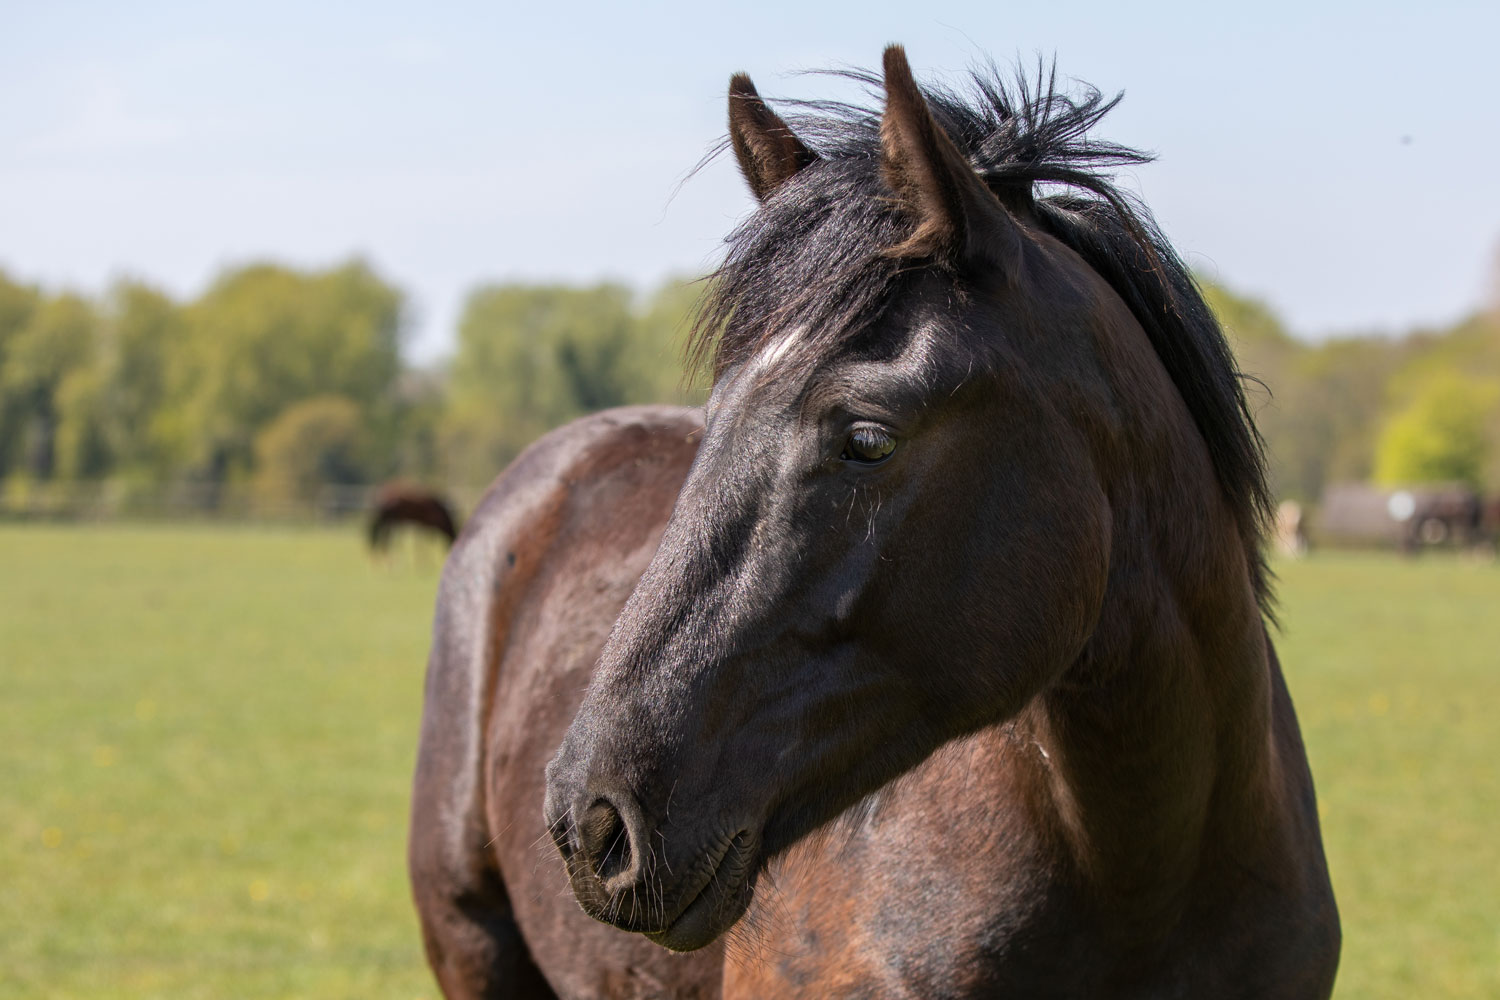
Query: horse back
[{"x": 527, "y": 599}]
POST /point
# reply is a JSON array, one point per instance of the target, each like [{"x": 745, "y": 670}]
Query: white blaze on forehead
[{"x": 772, "y": 352}]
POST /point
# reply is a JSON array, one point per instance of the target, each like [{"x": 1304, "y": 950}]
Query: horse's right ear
[{"x": 768, "y": 151}]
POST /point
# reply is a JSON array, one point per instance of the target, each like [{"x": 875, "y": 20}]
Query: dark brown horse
[
  {"x": 399, "y": 503},
  {"x": 930, "y": 660}
]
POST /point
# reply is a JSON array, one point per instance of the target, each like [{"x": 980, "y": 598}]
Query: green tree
[
  {"x": 530, "y": 358},
  {"x": 1318, "y": 406},
  {"x": 1277, "y": 388},
  {"x": 59, "y": 338},
  {"x": 17, "y": 305},
  {"x": 408, "y": 435},
  {"x": 1333, "y": 405},
  {"x": 82, "y": 442},
  {"x": 107, "y": 405},
  {"x": 265, "y": 337},
  {"x": 312, "y": 443},
  {"x": 654, "y": 365},
  {"x": 1444, "y": 435},
  {"x": 144, "y": 331},
  {"x": 1254, "y": 329}
]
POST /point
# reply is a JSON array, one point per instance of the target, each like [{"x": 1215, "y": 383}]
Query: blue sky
[{"x": 1336, "y": 159}]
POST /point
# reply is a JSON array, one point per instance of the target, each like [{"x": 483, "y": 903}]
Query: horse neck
[{"x": 1155, "y": 744}]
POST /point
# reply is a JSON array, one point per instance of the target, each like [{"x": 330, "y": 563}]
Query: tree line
[
  {"x": 1418, "y": 409},
  {"x": 277, "y": 382}
]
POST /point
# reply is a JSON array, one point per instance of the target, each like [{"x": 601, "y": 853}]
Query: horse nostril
[{"x": 604, "y": 840}]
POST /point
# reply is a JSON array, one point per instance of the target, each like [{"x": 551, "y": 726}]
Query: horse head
[{"x": 897, "y": 529}]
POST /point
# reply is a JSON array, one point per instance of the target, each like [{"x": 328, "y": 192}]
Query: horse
[
  {"x": 404, "y": 503},
  {"x": 932, "y": 658}
]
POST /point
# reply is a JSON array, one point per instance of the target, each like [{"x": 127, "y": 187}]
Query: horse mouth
[{"x": 719, "y": 902}]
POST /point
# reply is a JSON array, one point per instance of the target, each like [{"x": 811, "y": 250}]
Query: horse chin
[
  {"x": 706, "y": 919},
  {"x": 718, "y": 906}
]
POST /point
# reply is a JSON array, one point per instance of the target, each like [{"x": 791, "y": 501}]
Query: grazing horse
[
  {"x": 404, "y": 503},
  {"x": 931, "y": 659}
]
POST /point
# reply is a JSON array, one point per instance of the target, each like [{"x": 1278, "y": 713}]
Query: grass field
[{"x": 208, "y": 736}]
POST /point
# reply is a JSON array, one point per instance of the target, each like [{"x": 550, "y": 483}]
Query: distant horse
[
  {"x": 932, "y": 654},
  {"x": 404, "y": 503}
]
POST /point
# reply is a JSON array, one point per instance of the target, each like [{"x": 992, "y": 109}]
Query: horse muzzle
[{"x": 620, "y": 877}]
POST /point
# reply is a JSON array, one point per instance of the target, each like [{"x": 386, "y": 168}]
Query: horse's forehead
[
  {"x": 735, "y": 385},
  {"x": 921, "y": 345}
]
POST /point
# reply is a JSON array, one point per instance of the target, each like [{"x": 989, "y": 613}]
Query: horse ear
[
  {"x": 768, "y": 151},
  {"x": 958, "y": 218}
]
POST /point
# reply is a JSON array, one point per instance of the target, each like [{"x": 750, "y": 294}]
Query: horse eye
[{"x": 868, "y": 446}]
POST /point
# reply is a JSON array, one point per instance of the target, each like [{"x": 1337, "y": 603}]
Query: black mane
[{"x": 812, "y": 256}]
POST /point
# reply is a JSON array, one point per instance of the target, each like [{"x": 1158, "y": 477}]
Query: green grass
[
  {"x": 207, "y": 742},
  {"x": 206, "y": 738},
  {"x": 1395, "y": 668}
]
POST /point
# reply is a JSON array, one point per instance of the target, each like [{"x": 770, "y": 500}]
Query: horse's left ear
[
  {"x": 959, "y": 219},
  {"x": 768, "y": 151}
]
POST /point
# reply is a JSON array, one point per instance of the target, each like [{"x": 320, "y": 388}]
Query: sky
[{"x": 1337, "y": 160}]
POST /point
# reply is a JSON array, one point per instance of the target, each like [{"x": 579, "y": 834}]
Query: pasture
[{"x": 208, "y": 738}]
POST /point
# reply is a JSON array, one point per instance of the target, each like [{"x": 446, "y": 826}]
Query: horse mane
[{"x": 813, "y": 255}]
